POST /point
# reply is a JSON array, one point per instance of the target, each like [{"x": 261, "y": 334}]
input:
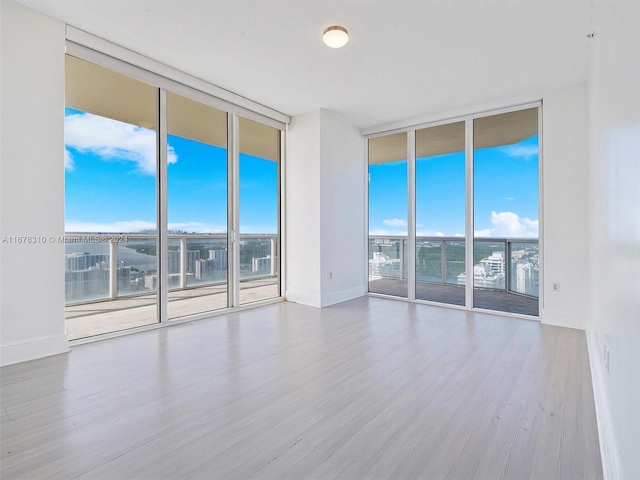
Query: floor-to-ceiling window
[
  {"x": 197, "y": 248},
  {"x": 505, "y": 212},
  {"x": 388, "y": 215},
  {"x": 111, "y": 137},
  {"x": 440, "y": 213},
  {"x": 172, "y": 204},
  {"x": 259, "y": 162},
  {"x": 458, "y": 201}
]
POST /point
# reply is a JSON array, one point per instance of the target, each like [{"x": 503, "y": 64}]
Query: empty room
[{"x": 320, "y": 239}]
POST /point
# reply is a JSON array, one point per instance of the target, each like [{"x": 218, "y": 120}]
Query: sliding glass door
[
  {"x": 197, "y": 207},
  {"x": 440, "y": 213},
  {"x": 259, "y": 206},
  {"x": 388, "y": 185},
  {"x": 506, "y": 258},
  {"x": 172, "y": 206},
  {"x": 111, "y": 244},
  {"x": 460, "y": 198}
]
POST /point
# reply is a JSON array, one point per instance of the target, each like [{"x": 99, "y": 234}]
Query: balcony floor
[
  {"x": 455, "y": 295},
  {"x": 90, "y": 319}
]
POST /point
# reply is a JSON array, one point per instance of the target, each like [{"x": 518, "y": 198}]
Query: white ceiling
[{"x": 405, "y": 58}]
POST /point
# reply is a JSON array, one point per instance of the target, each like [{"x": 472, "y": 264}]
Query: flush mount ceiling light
[{"x": 335, "y": 37}]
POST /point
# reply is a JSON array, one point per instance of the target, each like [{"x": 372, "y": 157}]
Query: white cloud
[
  {"x": 198, "y": 227},
  {"x": 68, "y": 161},
  {"x": 510, "y": 199},
  {"x": 374, "y": 232},
  {"x": 114, "y": 140},
  {"x": 428, "y": 233},
  {"x": 482, "y": 233},
  {"x": 394, "y": 222},
  {"x": 510, "y": 225},
  {"x": 525, "y": 152},
  {"x": 129, "y": 226}
]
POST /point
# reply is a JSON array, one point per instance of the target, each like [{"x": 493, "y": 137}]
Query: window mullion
[
  {"x": 411, "y": 215},
  {"x": 469, "y": 236},
  {"x": 233, "y": 209},
  {"x": 161, "y": 195}
]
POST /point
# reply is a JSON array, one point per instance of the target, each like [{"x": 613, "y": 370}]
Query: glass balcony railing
[
  {"x": 510, "y": 265},
  {"x": 109, "y": 266}
]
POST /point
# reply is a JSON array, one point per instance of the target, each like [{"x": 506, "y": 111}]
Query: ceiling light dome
[{"x": 335, "y": 37}]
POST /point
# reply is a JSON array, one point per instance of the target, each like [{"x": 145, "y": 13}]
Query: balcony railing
[
  {"x": 500, "y": 264},
  {"x": 111, "y": 266}
]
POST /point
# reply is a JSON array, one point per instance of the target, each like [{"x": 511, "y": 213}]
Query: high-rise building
[
  {"x": 261, "y": 266},
  {"x": 205, "y": 269},
  {"x": 488, "y": 273},
  {"x": 494, "y": 263},
  {"x": 94, "y": 282},
  {"x": 383, "y": 266},
  {"x": 173, "y": 261},
  {"x": 221, "y": 258},
  {"x": 82, "y": 261},
  {"x": 192, "y": 257}
]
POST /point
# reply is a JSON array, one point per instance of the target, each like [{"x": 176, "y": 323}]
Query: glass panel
[
  {"x": 86, "y": 270},
  {"x": 388, "y": 215},
  {"x": 259, "y": 218},
  {"x": 197, "y": 207},
  {"x": 506, "y": 212},
  {"x": 455, "y": 255},
  {"x": 110, "y": 201},
  {"x": 440, "y": 213},
  {"x": 488, "y": 265},
  {"x": 524, "y": 275},
  {"x": 429, "y": 260}
]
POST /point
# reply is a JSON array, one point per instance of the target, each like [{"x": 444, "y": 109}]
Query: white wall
[
  {"x": 614, "y": 116},
  {"x": 325, "y": 210},
  {"x": 565, "y": 210},
  {"x": 32, "y": 185},
  {"x": 342, "y": 210},
  {"x": 302, "y": 194}
]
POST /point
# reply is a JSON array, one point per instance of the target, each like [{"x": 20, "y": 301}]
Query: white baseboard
[
  {"x": 608, "y": 449},
  {"x": 17, "y": 352},
  {"x": 304, "y": 299},
  {"x": 556, "y": 319},
  {"x": 342, "y": 296},
  {"x": 320, "y": 301}
]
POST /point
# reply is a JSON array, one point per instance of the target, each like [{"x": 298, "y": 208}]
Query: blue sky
[
  {"x": 506, "y": 193},
  {"x": 111, "y": 186},
  {"x": 110, "y": 181}
]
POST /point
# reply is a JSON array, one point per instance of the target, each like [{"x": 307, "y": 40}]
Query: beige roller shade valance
[
  {"x": 390, "y": 148},
  {"x": 259, "y": 140},
  {"x": 505, "y": 128},
  {"x": 193, "y": 120},
  {"x": 100, "y": 91},
  {"x": 491, "y": 131}
]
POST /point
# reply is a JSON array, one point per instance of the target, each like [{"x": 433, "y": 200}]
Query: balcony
[
  {"x": 111, "y": 280},
  {"x": 506, "y": 271}
]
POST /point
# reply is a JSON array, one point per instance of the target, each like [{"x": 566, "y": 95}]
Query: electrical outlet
[
  {"x": 556, "y": 286},
  {"x": 606, "y": 358}
]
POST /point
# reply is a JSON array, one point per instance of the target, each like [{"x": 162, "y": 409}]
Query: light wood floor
[{"x": 370, "y": 388}]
